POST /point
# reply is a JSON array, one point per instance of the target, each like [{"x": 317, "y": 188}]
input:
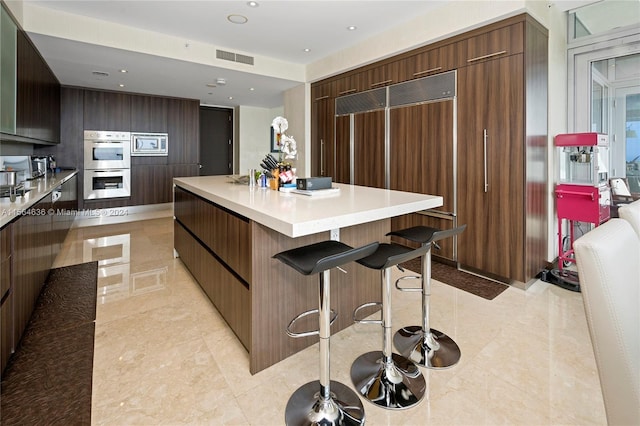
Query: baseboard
[{"x": 107, "y": 216}]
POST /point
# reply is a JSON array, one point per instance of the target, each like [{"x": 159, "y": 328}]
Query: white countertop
[
  {"x": 296, "y": 215},
  {"x": 38, "y": 189}
]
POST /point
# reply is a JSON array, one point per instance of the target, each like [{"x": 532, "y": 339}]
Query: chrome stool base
[
  {"x": 305, "y": 407},
  {"x": 434, "y": 350},
  {"x": 396, "y": 385}
]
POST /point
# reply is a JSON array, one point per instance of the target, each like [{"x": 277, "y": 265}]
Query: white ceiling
[{"x": 275, "y": 29}]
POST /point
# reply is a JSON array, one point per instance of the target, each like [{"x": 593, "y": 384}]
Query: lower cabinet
[
  {"x": 6, "y": 297},
  {"x": 31, "y": 258},
  {"x": 29, "y": 247},
  {"x": 215, "y": 245}
]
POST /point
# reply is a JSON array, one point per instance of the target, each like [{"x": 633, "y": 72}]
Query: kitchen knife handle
[{"x": 484, "y": 148}]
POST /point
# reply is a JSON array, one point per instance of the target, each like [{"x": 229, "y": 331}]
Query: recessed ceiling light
[
  {"x": 306, "y": 49},
  {"x": 352, "y": 28},
  {"x": 123, "y": 70},
  {"x": 251, "y": 89},
  {"x": 121, "y": 85},
  {"x": 237, "y": 19},
  {"x": 230, "y": 97},
  {"x": 252, "y": 4}
]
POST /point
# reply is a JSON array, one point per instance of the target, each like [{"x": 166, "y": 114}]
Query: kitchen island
[{"x": 226, "y": 234}]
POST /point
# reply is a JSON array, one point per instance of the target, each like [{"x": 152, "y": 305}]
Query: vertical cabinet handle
[
  {"x": 484, "y": 148},
  {"x": 321, "y": 157}
]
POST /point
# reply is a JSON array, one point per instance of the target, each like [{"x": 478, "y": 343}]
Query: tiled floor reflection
[{"x": 163, "y": 355}]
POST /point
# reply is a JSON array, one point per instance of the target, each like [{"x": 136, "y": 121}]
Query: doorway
[{"x": 216, "y": 141}]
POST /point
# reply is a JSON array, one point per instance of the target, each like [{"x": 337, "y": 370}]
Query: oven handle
[{"x": 107, "y": 171}]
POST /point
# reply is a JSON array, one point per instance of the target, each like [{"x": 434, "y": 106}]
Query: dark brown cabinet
[
  {"x": 6, "y": 297},
  {"x": 421, "y": 150},
  {"x": 502, "y": 163},
  {"x": 322, "y": 129},
  {"x": 432, "y": 61},
  {"x": 368, "y": 149},
  {"x": 31, "y": 259},
  {"x": 37, "y": 95},
  {"x": 107, "y": 111},
  {"x": 501, "y": 83},
  {"x": 490, "y": 165},
  {"x": 29, "y": 246},
  {"x": 149, "y": 114},
  {"x": 184, "y": 131},
  {"x": 220, "y": 259},
  {"x": 498, "y": 43}
]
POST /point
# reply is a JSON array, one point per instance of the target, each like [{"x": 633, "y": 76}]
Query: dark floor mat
[
  {"x": 48, "y": 379},
  {"x": 470, "y": 283}
]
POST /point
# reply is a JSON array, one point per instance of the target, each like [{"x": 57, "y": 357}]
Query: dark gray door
[{"x": 216, "y": 141}]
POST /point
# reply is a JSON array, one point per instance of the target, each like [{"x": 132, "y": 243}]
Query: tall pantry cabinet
[
  {"x": 502, "y": 166},
  {"x": 483, "y": 148}
]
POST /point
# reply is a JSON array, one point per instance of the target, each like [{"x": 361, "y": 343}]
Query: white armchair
[
  {"x": 608, "y": 260},
  {"x": 631, "y": 213}
]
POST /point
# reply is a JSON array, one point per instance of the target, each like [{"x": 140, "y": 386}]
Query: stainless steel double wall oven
[{"x": 107, "y": 164}]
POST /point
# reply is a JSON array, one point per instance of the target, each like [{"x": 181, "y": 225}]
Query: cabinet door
[
  {"x": 432, "y": 61},
  {"x": 491, "y": 166},
  {"x": 148, "y": 114},
  {"x": 368, "y": 149},
  {"x": 380, "y": 76},
  {"x": 31, "y": 261},
  {"x": 347, "y": 85},
  {"x": 107, "y": 111},
  {"x": 8, "y": 43},
  {"x": 342, "y": 170},
  {"x": 183, "y": 127},
  {"x": 496, "y": 43},
  {"x": 421, "y": 151},
  {"x": 38, "y": 95},
  {"x": 322, "y": 141}
]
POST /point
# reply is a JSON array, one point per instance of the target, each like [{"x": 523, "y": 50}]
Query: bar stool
[
  {"x": 424, "y": 345},
  {"x": 384, "y": 378},
  {"x": 323, "y": 402}
]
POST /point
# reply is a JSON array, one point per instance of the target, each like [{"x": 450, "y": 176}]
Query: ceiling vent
[
  {"x": 234, "y": 57},
  {"x": 100, "y": 73}
]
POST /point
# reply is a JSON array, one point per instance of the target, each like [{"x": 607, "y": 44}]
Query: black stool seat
[
  {"x": 387, "y": 255},
  {"x": 417, "y": 234},
  {"x": 321, "y": 256}
]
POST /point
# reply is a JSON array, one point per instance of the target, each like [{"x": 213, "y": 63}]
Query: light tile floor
[{"x": 163, "y": 354}]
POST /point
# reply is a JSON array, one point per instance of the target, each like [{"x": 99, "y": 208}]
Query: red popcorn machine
[{"x": 582, "y": 194}]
